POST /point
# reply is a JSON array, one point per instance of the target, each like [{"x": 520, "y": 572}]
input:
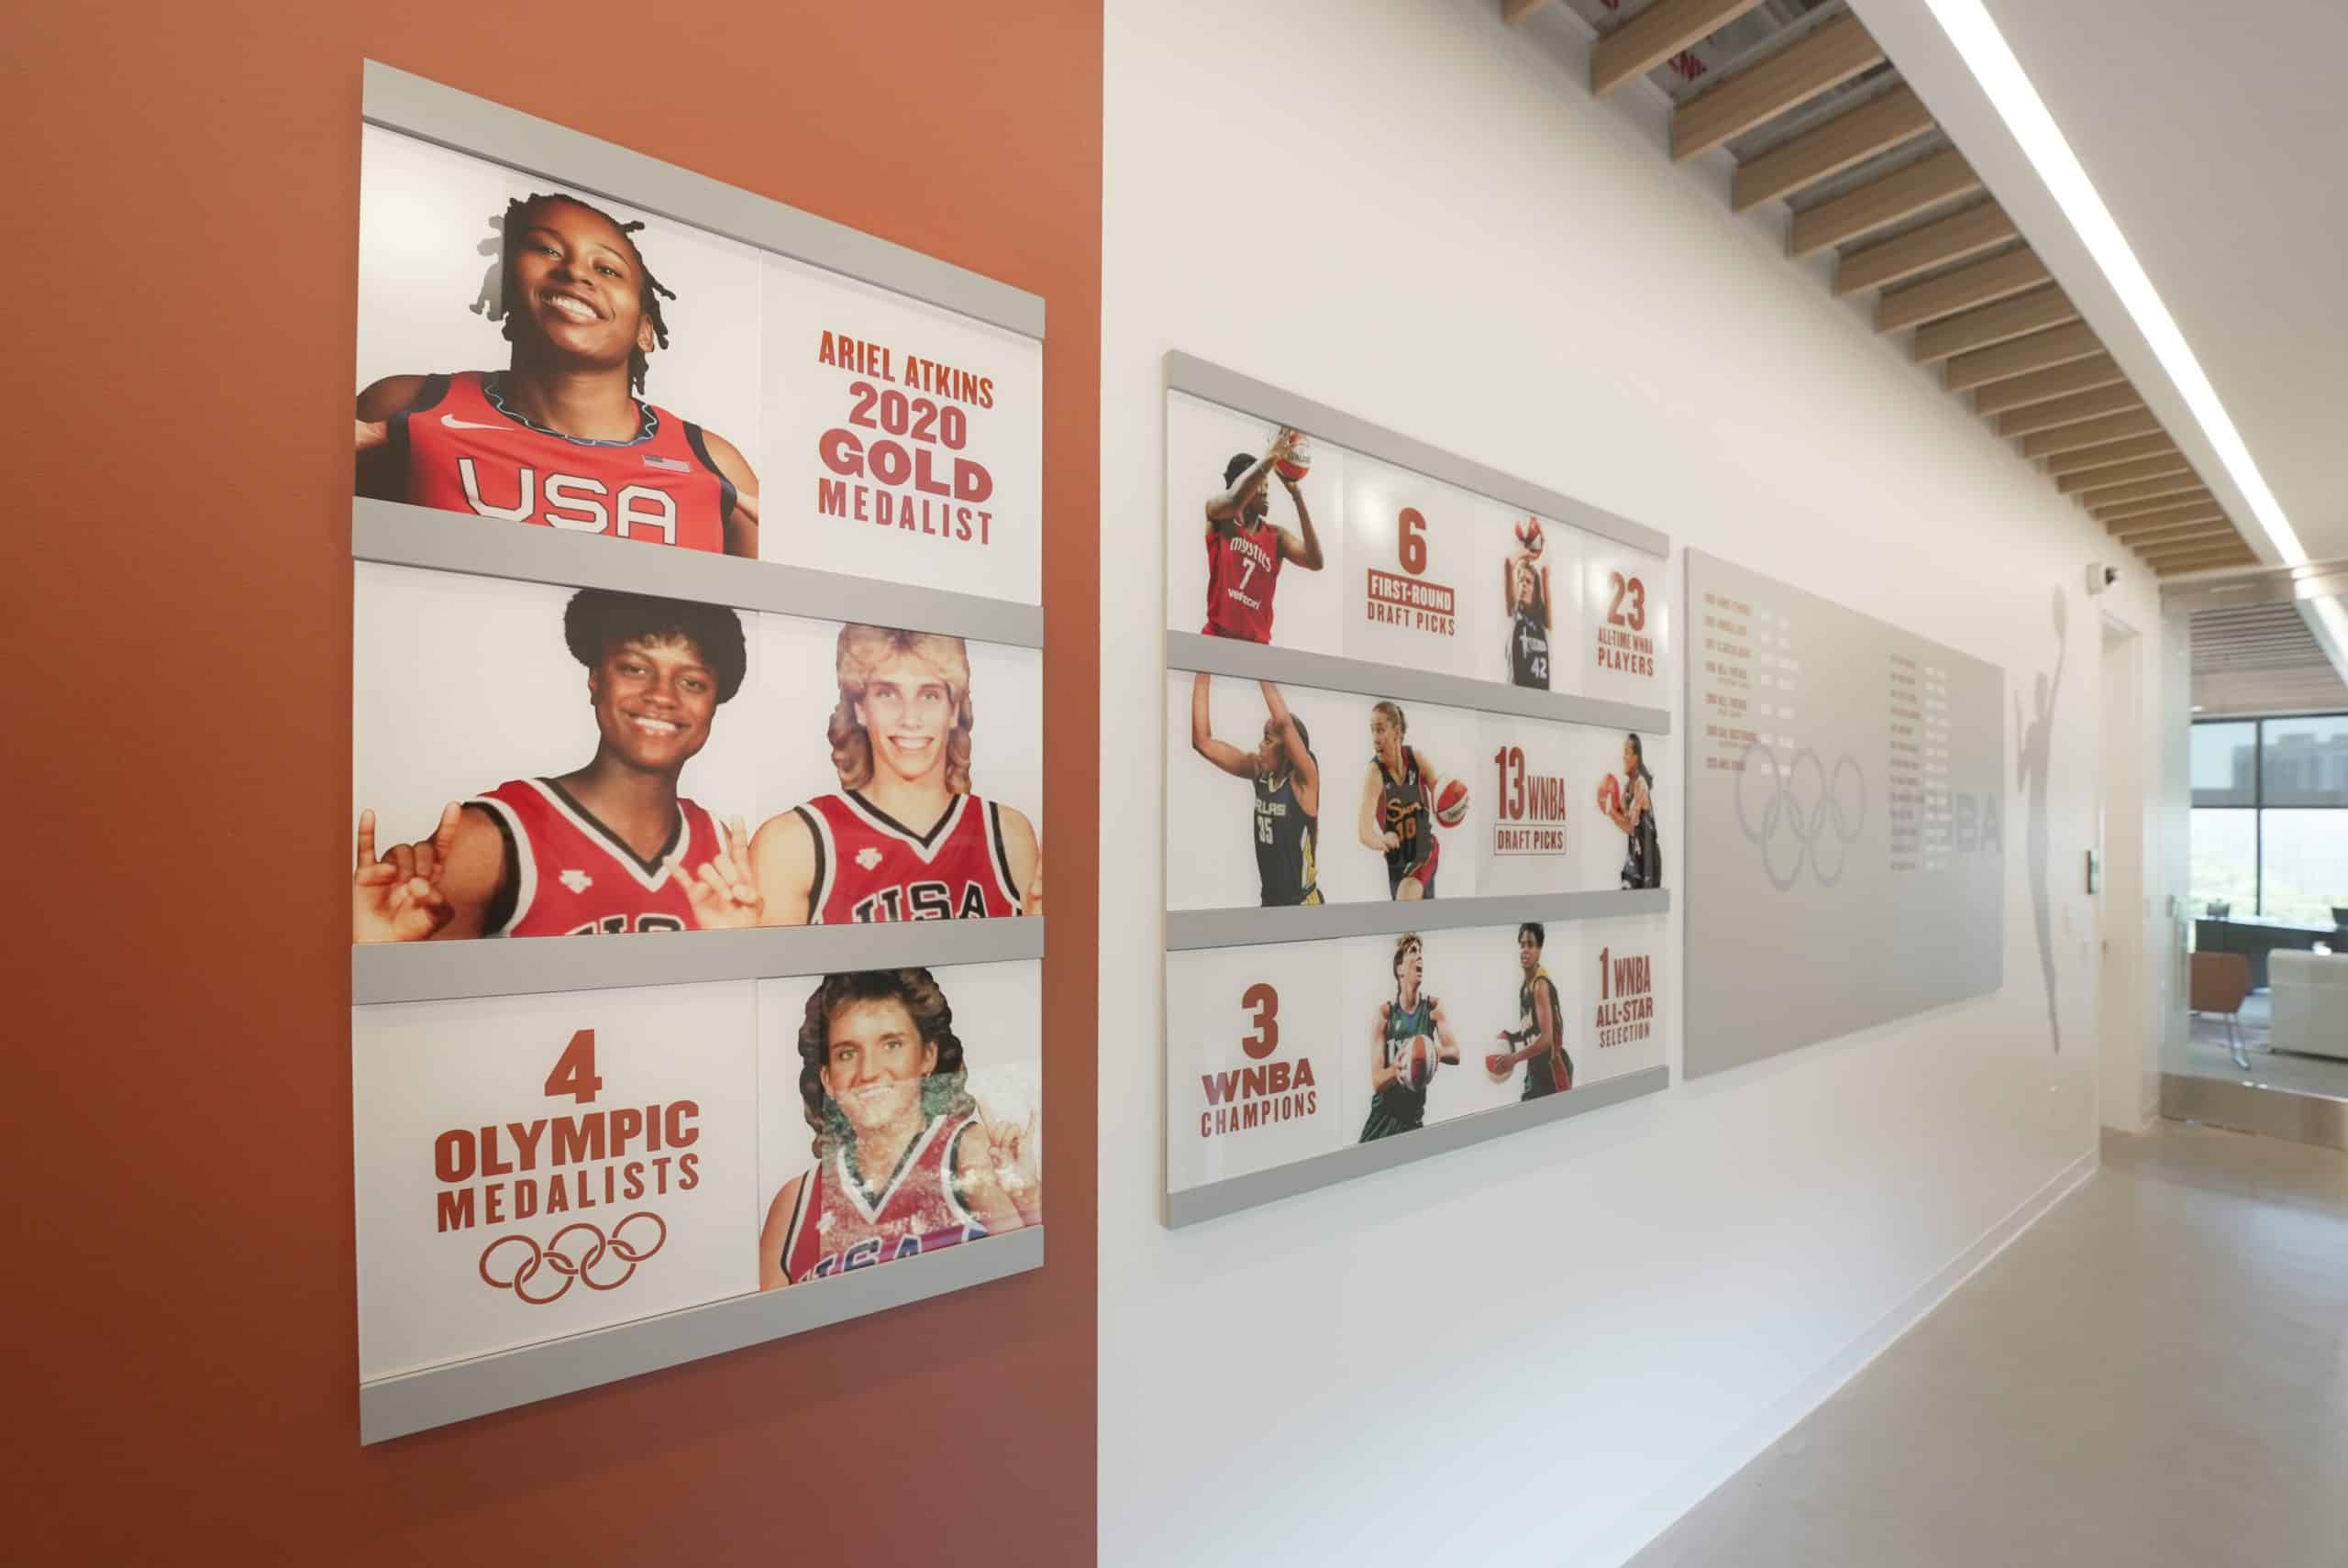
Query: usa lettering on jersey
[
  {"x": 576, "y": 504},
  {"x": 869, "y": 866}
]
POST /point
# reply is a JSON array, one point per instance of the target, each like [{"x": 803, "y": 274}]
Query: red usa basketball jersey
[
  {"x": 836, "y": 1225},
  {"x": 870, "y": 866},
  {"x": 574, "y": 876},
  {"x": 463, "y": 450},
  {"x": 1243, "y": 567}
]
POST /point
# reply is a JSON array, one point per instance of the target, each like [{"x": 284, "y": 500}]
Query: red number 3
[{"x": 1265, "y": 1004}]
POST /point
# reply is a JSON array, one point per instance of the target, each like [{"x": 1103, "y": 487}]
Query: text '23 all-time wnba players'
[
  {"x": 905, "y": 1160},
  {"x": 558, "y": 438},
  {"x": 904, "y": 838},
  {"x": 1245, "y": 551},
  {"x": 608, "y": 849},
  {"x": 1287, "y": 779}
]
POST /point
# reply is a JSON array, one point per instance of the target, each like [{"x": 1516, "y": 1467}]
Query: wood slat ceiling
[
  {"x": 1817, "y": 119},
  {"x": 2260, "y": 656}
]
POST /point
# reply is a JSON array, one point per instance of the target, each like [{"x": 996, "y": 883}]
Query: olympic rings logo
[
  {"x": 1806, "y": 810},
  {"x": 523, "y": 1266}
]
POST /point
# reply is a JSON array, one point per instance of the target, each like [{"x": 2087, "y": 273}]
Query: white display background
[
  {"x": 1709, "y": 1261},
  {"x": 1211, "y": 1023},
  {"x": 461, "y": 683},
  {"x": 419, "y": 1069},
  {"x": 426, "y": 215},
  {"x": 806, "y": 398}
]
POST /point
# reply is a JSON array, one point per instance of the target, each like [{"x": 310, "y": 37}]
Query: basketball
[
  {"x": 1528, "y": 534},
  {"x": 1451, "y": 807},
  {"x": 1609, "y": 795},
  {"x": 1421, "y": 1062},
  {"x": 1298, "y": 461}
]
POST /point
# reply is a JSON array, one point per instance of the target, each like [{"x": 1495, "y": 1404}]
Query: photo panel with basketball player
[
  {"x": 1625, "y": 633},
  {"x": 903, "y": 441},
  {"x": 899, "y": 1113},
  {"x": 1253, "y": 1045},
  {"x": 533, "y": 760},
  {"x": 531, "y": 353},
  {"x": 533, "y": 1167},
  {"x": 1295, "y": 795},
  {"x": 1634, "y": 795},
  {"x": 900, "y": 776},
  {"x": 1525, "y": 613},
  {"x": 1254, "y": 528}
]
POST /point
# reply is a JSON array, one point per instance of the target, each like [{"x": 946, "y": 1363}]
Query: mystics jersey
[
  {"x": 870, "y": 866},
  {"x": 1643, "y": 860},
  {"x": 1402, "y": 811},
  {"x": 838, "y": 1225},
  {"x": 1284, "y": 843},
  {"x": 1551, "y": 1071},
  {"x": 1399, "y": 1108},
  {"x": 1243, "y": 567},
  {"x": 568, "y": 875},
  {"x": 463, "y": 450},
  {"x": 1528, "y": 648}
]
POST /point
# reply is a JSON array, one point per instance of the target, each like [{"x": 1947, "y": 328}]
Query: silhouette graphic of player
[
  {"x": 558, "y": 438},
  {"x": 905, "y": 1161},
  {"x": 1287, "y": 779},
  {"x": 2036, "y": 750},
  {"x": 1245, "y": 552}
]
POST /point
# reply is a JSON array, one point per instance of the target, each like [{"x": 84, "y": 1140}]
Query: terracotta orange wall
[{"x": 183, "y": 205}]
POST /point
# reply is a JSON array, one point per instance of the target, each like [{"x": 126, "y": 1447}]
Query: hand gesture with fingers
[
  {"x": 724, "y": 896},
  {"x": 1012, "y": 1152},
  {"x": 397, "y": 898}
]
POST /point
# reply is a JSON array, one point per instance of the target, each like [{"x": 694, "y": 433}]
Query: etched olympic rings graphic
[
  {"x": 1811, "y": 807},
  {"x": 523, "y": 1266}
]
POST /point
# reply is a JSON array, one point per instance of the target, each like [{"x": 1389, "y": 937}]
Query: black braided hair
[{"x": 650, "y": 290}]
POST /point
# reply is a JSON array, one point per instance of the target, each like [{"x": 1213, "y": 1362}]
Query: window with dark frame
[{"x": 2263, "y": 839}]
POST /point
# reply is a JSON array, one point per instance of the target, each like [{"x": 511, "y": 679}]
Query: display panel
[
  {"x": 1845, "y": 820},
  {"x": 575, "y": 1162}
]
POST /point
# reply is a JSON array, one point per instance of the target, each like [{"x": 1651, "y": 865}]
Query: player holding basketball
[
  {"x": 1397, "y": 795},
  {"x": 608, "y": 849},
  {"x": 1630, "y": 806},
  {"x": 1539, "y": 1038},
  {"x": 902, "y": 838},
  {"x": 1410, "y": 1037},
  {"x": 1287, "y": 778},
  {"x": 558, "y": 438},
  {"x": 1525, "y": 584},
  {"x": 905, "y": 1161},
  {"x": 1245, "y": 552}
]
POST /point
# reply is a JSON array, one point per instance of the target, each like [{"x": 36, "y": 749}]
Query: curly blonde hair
[{"x": 863, "y": 649}]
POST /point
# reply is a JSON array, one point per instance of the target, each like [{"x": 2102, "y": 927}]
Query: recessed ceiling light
[{"x": 1992, "y": 62}]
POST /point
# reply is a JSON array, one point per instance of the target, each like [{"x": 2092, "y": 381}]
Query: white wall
[{"x": 1404, "y": 209}]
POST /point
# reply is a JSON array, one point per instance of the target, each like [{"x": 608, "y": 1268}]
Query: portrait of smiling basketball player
[
  {"x": 904, "y": 837},
  {"x": 905, "y": 1161},
  {"x": 608, "y": 849},
  {"x": 560, "y": 437}
]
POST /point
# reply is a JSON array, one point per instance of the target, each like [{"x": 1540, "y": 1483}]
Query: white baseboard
[{"x": 1663, "y": 1508}]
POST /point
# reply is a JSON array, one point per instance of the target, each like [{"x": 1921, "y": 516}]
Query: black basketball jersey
[
  {"x": 1402, "y": 811},
  {"x": 1643, "y": 860},
  {"x": 1285, "y": 842},
  {"x": 1550, "y": 1071},
  {"x": 1399, "y": 1107},
  {"x": 1528, "y": 648}
]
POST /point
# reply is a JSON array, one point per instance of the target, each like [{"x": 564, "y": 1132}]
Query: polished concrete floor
[{"x": 2155, "y": 1376}]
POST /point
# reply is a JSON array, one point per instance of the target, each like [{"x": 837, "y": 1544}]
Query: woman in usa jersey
[
  {"x": 558, "y": 438},
  {"x": 905, "y": 1161},
  {"x": 902, "y": 838}
]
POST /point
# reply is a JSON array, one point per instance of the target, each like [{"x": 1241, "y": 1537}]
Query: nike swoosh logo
[{"x": 453, "y": 423}]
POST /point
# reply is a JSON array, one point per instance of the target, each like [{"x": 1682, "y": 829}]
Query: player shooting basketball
[
  {"x": 1398, "y": 800},
  {"x": 904, "y": 838},
  {"x": 1629, "y": 804},
  {"x": 1245, "y": 551},
  {"x": 1287, "y": 781},
  {"x": 905, "y": 1160},
  {"x": 1539, "y": 1038},
  {"x": 1411, "y": 1038},
  {"x": 1526, "y": 593},
  {"x": 608, "y": 848},
  {"x": 558, "y": 438}
]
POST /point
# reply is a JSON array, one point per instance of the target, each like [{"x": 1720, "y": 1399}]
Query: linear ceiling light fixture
[{"x": 1993, "y": 64}]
